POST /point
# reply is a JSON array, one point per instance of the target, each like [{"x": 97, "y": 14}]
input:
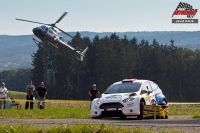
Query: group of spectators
[{"x": 41, "y": 93}]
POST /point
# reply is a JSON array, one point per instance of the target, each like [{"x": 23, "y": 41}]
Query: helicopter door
[
  {"x": 51, "y": 34},
  {"x": 46, "y": 30}
]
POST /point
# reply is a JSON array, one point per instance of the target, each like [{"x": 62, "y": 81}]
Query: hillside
[{"x": 16, "y": 51}]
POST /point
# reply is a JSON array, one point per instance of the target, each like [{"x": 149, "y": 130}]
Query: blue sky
[{"x": 94, "y": 15}]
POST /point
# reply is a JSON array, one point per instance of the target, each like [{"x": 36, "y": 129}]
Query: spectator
[
  {"x": 3, "y": 95},
  {"x": 41, "y": 92},
  {"x": 94, "y": 93},
  {"x": 29, "y": 90}
]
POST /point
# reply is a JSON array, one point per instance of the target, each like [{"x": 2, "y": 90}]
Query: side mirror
[
  {"x": 133, "y": 94},
  {"x": 143, "y": 91}
]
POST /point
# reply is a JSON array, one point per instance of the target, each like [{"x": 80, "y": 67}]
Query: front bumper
[{"x": 115, "y": 109}]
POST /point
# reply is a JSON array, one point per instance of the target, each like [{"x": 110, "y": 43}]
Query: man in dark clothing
[
  {"x": 41, "y": 93},
  {"x": 29, "y": 90},
  {"x": 94, "y": 93}
]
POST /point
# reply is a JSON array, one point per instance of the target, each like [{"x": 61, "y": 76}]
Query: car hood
[{"x": 114, "y": 97}]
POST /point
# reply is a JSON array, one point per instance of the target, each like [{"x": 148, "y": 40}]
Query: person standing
[
  {"x": 30, "y": 88},
  {"x": 94, "y": 93},
  {"x": 3, "y": 95},
  {"x": 41, "y": 92}
]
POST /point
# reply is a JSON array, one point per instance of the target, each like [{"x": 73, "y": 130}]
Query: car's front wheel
[
  {"x": 97, "y": 117},
  {"x": 140, "y": 117},
  {"x": 122, "y": 117}
]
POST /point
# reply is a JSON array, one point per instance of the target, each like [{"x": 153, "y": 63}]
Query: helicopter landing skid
[
  {"x": 56, "y": 46},
  {"x": 36, "y": 41}
]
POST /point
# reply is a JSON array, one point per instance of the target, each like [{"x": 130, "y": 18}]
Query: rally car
[{"x": 126, "y": 98}]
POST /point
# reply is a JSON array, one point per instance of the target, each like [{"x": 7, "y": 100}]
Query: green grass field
[
  {"x": 16, "y": 94},
  {"x": 189, "y": 109},
  {"x": 63, "y": 109},
  {"x": 54, "y": 110},
  {"x": 81, "y": 128},
  {"x": 57, "y": 109}
]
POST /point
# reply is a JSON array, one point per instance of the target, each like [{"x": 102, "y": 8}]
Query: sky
[{"x": 94, "y": 15}]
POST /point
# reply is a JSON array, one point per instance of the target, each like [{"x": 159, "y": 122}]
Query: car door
[
  {"x": 152, "y": 94},
  {"x": 149, "y": 97}
]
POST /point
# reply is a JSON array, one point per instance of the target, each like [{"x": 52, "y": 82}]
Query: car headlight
[
  {"x": 128, "y": 99},
  {"x": 98, "y": 101}
]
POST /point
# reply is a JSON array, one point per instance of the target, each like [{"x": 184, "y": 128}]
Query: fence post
[{"x": 154, "y": 111}]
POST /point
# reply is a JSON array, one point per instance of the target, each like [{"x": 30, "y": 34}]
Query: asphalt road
[{"x": 178, "y": 123}]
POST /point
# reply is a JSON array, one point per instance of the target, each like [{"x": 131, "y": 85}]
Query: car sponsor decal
[
  {"x": 147, "y": 97},
  {"x": 114, "y": 97}
]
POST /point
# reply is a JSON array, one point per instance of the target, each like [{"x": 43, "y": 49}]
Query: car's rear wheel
[
  {"x": 164, "y": 102},
  {"x": 140, "y": 117}
]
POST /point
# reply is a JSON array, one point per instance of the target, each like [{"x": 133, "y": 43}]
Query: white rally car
[{"x": 124, "y": 98}]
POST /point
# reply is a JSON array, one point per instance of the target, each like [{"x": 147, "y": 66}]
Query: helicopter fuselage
[
  {"x": 50, "y": 35},
  {"x": 47, "y": 33}
]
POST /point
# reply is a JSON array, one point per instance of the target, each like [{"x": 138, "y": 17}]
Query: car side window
[
  {"x": 154, "y": 86},
  {"x": 146, "y": 87}
]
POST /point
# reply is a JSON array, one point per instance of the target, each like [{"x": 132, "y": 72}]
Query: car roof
[{"x": 140, "y": 81}]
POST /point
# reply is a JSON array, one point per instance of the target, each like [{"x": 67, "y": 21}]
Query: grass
[
  {"x": 57, "y": 109},
  {"x": 16, "y": 94},
  {"x": 80, "y": 128},
  {"x": 187, "y": 109}
]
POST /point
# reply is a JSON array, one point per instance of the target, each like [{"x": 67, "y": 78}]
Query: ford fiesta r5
[{"x": 124, "y": 98}]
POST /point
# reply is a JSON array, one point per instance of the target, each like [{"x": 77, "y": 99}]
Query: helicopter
[{"x": 47, "y": 33}]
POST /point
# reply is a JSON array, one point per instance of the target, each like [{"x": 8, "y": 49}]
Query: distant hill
[{"x": 16, "y": 51}]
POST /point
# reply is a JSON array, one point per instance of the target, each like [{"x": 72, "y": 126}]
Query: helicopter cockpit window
[
  {"x": 46, "y": 29},
  {"x": 50, "y": 31},
  {"x": 43, "y": 27}
]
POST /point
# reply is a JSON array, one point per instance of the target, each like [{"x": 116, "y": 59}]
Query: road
[{"x": 178, "y": 123}]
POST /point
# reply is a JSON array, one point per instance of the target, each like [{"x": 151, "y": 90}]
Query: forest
[{"x": 108, "y": 60}]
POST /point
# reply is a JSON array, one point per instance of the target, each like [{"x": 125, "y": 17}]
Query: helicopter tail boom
[{"x": 82, "y": 54}]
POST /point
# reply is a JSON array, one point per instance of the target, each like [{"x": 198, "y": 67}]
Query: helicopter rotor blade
[
  {"x": 61, "y": 17},
  {"x": 65, "y": 33},
  {"x": 31, "y": 21}
]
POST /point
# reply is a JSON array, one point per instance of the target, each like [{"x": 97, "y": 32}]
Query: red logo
[{"x": 185, "y": 9}]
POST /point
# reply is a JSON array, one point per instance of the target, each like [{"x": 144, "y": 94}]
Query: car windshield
[{"x": 123, "y": 88}]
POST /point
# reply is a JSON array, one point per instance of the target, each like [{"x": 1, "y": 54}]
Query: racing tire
[
  {"x": 164, "y": 102},
  {"x": 140, "y": 117},
  {"x": 97, "y": 117}
]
